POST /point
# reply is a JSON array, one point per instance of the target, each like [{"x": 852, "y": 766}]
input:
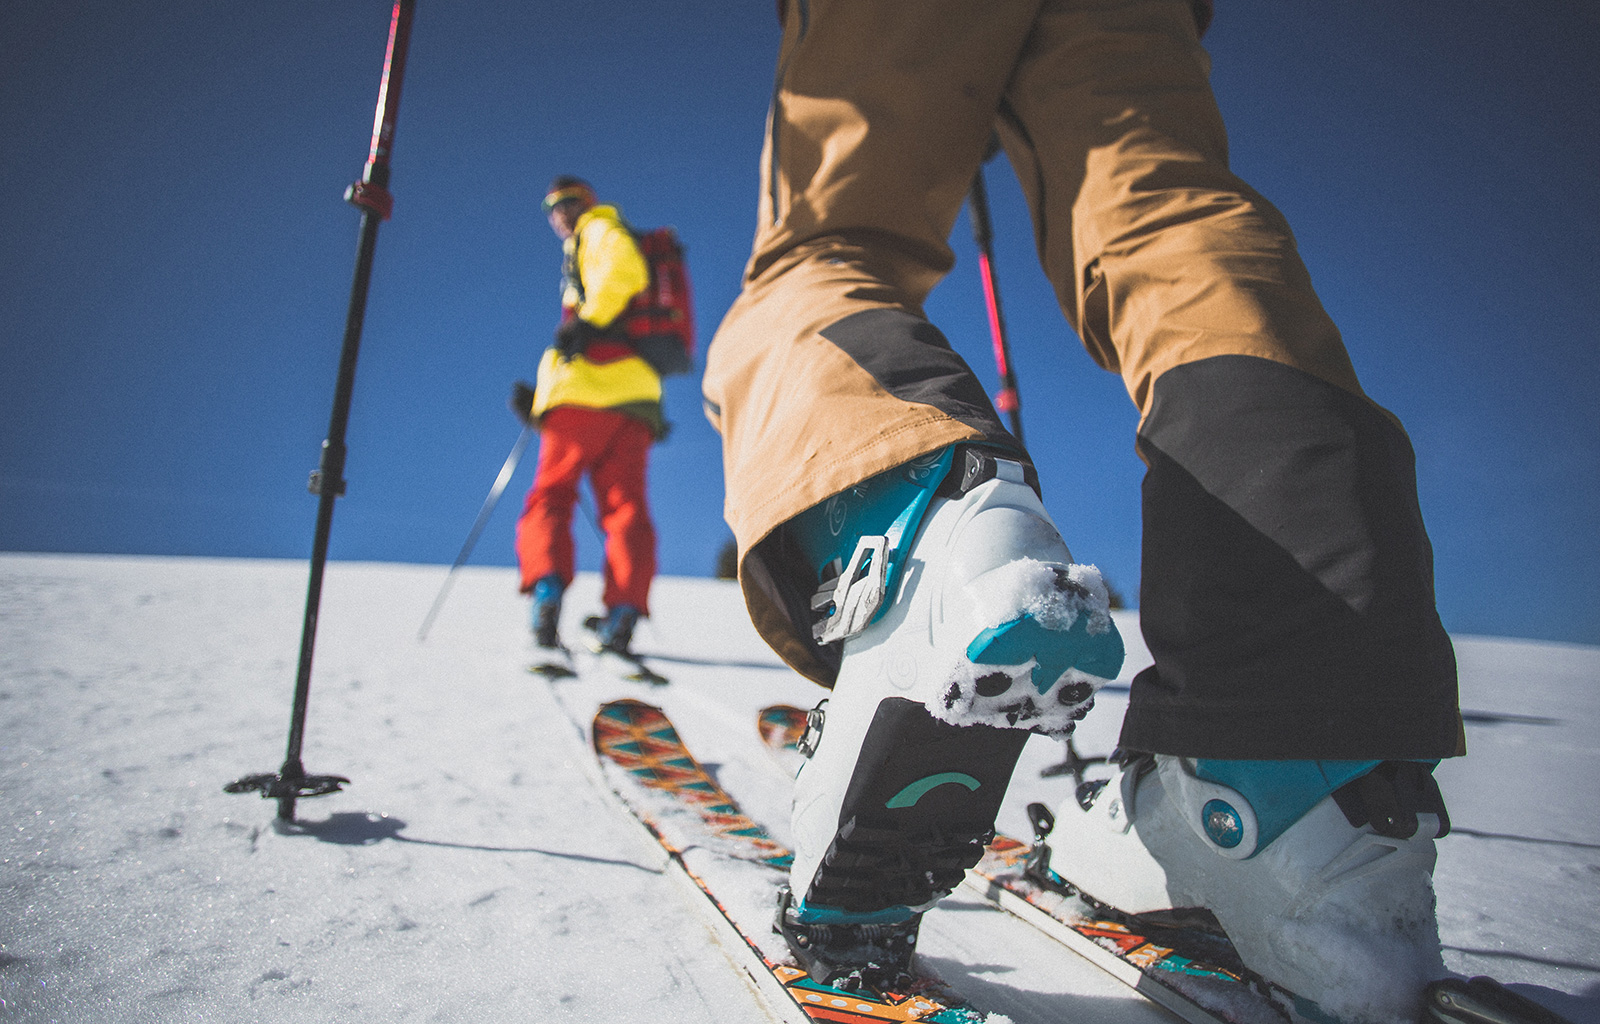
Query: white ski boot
[
  {"x": 1321, "y": 877},
  {"x": 990, "y": 632}
]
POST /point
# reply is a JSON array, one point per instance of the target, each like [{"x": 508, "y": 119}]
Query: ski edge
[
  {"x": 743, "y": 957},
  {"x": 661, "y": 857},
  {"x": 779, "y": 1003},
  {"x": 1130, "y": 975}
]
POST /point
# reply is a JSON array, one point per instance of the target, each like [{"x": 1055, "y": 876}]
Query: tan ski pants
[{"x": 1175, "y": 274}]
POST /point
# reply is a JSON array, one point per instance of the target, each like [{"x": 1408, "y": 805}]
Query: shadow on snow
[{"x": 363, "y": 828}]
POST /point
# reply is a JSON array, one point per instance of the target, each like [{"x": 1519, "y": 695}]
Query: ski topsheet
[
  {"x": 738, "y": 867},
  {"x": 1192, "y": 972},
  {"x": 781, "y": 726}
]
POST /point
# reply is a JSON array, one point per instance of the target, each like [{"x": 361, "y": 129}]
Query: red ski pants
[{"x": 613, "y": 449}]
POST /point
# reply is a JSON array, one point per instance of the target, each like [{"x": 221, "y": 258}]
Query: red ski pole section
[
  {"x": 372, "y": 191},
  {"x": 996, "y": 332}
]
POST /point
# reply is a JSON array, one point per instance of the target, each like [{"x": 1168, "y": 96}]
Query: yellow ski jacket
[{"x": 603, "y": 271}]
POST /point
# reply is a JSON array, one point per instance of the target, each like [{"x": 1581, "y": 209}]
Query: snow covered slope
[{"x": 472, "y": 872}]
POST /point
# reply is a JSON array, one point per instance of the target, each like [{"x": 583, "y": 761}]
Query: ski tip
[
  {"x": 781, "y": 726},
  {"x": 629, "y": 710}
]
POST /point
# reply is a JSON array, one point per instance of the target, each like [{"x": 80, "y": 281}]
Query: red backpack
[{"x": 659, "y": 322}]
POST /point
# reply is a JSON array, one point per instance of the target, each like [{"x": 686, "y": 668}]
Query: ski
[
  {"x": 626, "y": 665},
  {"x": 738, "y": 868},
  {"x": 552, "y": 669},
  {"x": 552, "y": 662},
  {"x": 1484, "y": 1001},
  {"x": 781, "y": 727},
  {"x": 1179, "y": 964},
  {"x": 1185, "y": 963}
]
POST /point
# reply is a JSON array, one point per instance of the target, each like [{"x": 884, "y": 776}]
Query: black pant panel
[{"x": 1287, "y": 585}]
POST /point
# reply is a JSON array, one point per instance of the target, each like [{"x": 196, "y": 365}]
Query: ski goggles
[{"x": 566, "y": 195}]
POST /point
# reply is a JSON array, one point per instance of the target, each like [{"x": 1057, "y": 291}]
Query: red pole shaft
[
  {"x": 372, "y": 191},
  {"x": 996, "y": 332},
  {"x": 1008, "y": 400}
]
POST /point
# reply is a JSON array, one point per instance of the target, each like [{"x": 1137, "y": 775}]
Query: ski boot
[
  {"x": 551, "y": 658},
  {"x": 614, "y": 630},
  {"x": 547, "y": 593},
  {"x": 965, "y": 627},
  {"x": 1319, "y": 872}
]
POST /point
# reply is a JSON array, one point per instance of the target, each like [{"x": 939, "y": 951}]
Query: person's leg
[
  {"x": 825, "y": 372},
  {"x": 892, "y": 542},
  {"x": 1286, "y": 591},
  {"x": 544, "y": 530},
  {"x": 619, "y": 480}
]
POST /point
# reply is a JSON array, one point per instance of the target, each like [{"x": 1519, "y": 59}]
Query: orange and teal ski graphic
[
  {"x": 781, "y": 726},
  {"x": 639, "y": 739}
]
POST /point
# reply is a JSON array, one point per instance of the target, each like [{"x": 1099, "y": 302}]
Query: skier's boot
[
  {"x": 614, "y": 630},
  {"x": 547, "y": 593},
  {"x": 551, "y": 658},
  {"x": 1320, "y": 872},
  {"x": 964, "y": 626}
]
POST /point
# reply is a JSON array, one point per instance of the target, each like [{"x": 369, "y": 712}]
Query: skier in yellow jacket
[{"x": 598, "y": 408}]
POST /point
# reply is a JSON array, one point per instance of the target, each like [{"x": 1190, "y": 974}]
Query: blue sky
[{"x": 175, "y": 262}]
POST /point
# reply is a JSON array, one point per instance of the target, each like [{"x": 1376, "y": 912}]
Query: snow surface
[{"x": 474, "y": 871}]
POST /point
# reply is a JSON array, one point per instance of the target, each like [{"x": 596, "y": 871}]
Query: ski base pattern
[{"x": 738, "y": 867}]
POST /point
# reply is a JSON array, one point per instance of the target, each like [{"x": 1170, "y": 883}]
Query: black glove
[
  {"x": 574, "y": 336},
  {"x": 521, "y": 402}
]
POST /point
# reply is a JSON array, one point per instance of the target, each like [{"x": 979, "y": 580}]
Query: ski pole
[
  {"x": 591, "y": 516},
  {"x": 484, "y": 513},
  {"x": 371, "y": 194},
  {"x": 1008, "y": 400}
]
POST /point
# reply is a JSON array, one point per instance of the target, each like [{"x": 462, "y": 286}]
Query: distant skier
[
  {"x": 1279, "y": 752},
  {"x": 598, "y": 406}
]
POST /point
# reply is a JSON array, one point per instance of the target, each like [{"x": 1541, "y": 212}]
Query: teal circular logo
[{"x": 1222, "y": 823}]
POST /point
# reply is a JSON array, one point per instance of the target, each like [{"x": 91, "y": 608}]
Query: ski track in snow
[{"x": 474, "y": 870}]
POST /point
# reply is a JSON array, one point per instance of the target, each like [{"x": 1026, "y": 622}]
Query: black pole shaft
[
  {"x": 371, "y": 194},
  {"x": 328, "y": 484},
  {"x": 1009, "y": 399}
]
